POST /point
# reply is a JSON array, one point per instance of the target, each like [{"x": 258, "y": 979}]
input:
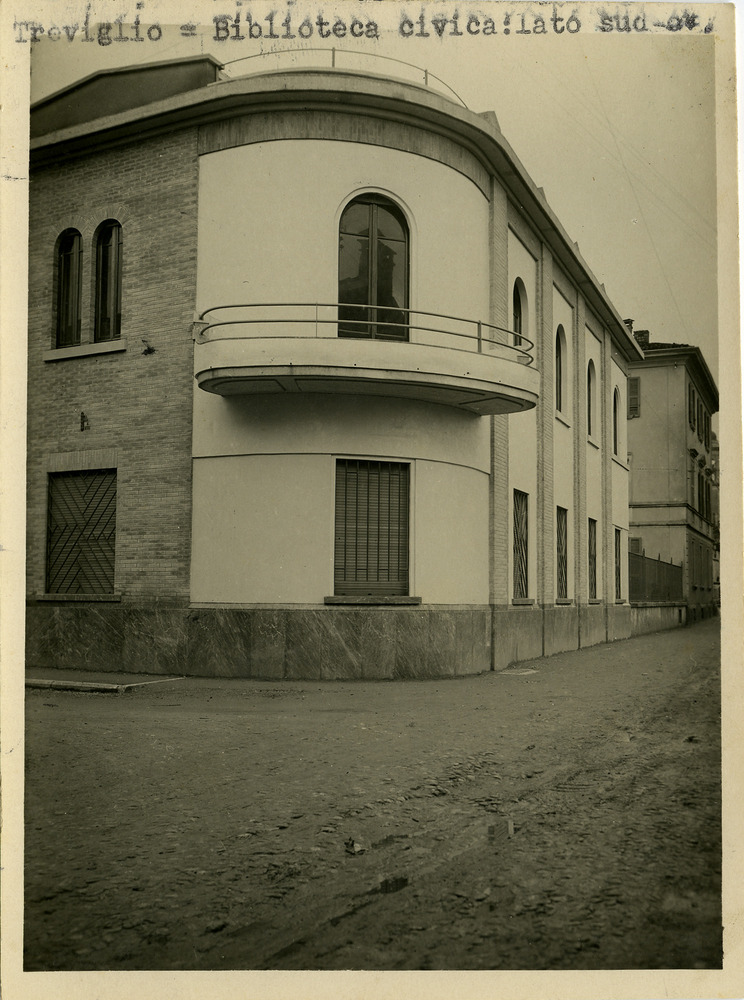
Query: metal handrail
[
  {"x": 428, "y": 75},
  {"x": 520, "y": 344}
]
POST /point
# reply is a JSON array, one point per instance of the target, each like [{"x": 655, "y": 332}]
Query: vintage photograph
[{"x": 374, "y": 488}]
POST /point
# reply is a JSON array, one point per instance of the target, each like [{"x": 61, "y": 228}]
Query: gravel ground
[{"x": 563, "y": 814}]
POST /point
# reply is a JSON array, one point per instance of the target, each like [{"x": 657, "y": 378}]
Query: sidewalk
[{"x": 205, "y": 823}]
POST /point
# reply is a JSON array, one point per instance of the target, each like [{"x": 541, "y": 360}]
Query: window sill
[
  {"x": 595, "y": 600},
  {"x": 563, "y": 601},
  {"x": 523, "y": 601},
  {"x": 619, "y": 600},
  {"x": 84, "y": 350},
  {"x": 87, "y": 598},
  {"x": 561, "y": 419},
  {"x": 369, "y": 600},
  {"x": 620, "y": 462},
  {"x": 593, "y": 442}
]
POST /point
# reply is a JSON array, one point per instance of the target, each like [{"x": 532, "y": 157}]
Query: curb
[{"x": 96, "y": 687}]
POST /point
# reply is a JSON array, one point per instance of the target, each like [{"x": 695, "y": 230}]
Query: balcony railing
[{"x": 331, "y": 320}]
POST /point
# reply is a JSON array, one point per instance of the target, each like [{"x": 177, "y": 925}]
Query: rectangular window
[
  {"x": 618, "y": 565},
  {"x": 520, "y": 544},
  {"x": 691, "y": 406},
  {"x": 706, "y": 431},
  {"x": 700, "y": 421},
  {"x": 371, "y": 538},
  {"x": 592, "y": 559},
  {"x": 562, "y": 551},
  {"x": 635, "y": 545},
  {"x": 634, "y": 397},
  {"x": 81, "y": 532}
]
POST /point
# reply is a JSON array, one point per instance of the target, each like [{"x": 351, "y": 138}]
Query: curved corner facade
[{"x": 355, "y": 414}]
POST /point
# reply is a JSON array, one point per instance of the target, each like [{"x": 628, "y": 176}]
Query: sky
[{"x": 619, "y": 131}]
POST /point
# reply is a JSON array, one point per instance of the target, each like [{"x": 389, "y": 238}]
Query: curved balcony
[{"x": 364, "y": 350}]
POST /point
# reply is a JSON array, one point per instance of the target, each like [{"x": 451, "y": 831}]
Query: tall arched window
[
  {"x": 560, "y": 368},
  {"x": 519, "y": 311},
  {"x": 108, "y": 281},
  {"x": 615, "y": 421},
  {"x": 69, "y": 287},
  {"x": 373, "y": 270},
  {"x": 591, "y": 380}
]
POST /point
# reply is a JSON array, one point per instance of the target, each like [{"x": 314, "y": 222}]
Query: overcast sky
[{"x": 620, "y": 131}]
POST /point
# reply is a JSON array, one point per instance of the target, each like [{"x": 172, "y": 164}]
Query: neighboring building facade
[
  {"x": 674, "y": 504},
  {"x": 318, "y": 386}
]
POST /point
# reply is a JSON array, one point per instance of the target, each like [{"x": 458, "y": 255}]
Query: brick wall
[{"x": 139, "y": 404}]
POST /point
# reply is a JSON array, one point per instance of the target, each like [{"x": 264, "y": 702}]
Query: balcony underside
[{"x": 480, "y": 383}]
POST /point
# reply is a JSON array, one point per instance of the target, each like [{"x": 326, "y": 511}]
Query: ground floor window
[
  {"x": 372, "y": 533},
  {"x": 592, "y": 559},
  {"x": 81, "y": 532},
  {"x": 618, "y": 565},
  {"x": 521, "y": 501},
  {"x": 562, "y": 551}
]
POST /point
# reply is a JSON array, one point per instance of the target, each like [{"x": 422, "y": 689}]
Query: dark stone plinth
[{"x": 323, "y": 643}]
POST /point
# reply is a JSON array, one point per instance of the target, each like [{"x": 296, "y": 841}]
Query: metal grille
[
  {"x": 562, "y": 550},
  {"x": 371, "y": 544},
  {"x": 520, "y": 543},
  {"x": 618, "y": 566},
  {"x": 81, "y": 532},
  {"x": 592, "y": 558}
]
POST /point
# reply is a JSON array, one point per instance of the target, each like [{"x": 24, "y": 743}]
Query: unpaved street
[{"x": 203, "y": 824}]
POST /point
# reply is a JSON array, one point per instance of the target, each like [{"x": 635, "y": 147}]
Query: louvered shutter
[
  {"x": 371, "y": 538},
  {"x": 634, "y": 397}
]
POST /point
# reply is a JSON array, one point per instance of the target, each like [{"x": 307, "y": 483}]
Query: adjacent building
[
  {"x": 674, "y": 505},
  {"x": 318, "y": 385}
]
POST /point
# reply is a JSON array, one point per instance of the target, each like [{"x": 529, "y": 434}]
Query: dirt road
[{"x": 207, "y": 824}]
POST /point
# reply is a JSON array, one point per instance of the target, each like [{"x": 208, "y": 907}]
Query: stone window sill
[
  {"x": 369, "y": 600},
  {"x": 87, "y": 598},
  {"x": 564, "y": 600},
  {"x": 523, "y": 601},
  {"x": 84, "y": 350},
  {"x": 595, "y": 600}
]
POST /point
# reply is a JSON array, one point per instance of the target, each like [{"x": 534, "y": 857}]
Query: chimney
[
  {"x": 642, "y": 338},
  {"x": 629, "y": 324}
]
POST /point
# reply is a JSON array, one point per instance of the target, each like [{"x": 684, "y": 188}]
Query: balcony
[{"x": 364, "y": 350}]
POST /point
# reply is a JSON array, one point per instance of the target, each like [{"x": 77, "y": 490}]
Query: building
[
  {"x": 674, "y": 504},
  {"x": 318, "y": 385}
]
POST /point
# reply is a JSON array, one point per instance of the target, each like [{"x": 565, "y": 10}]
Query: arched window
[
  {"x": 519, "y": 311},
  {"x": 69, "y": 287},
  {"x": 108, "y": 281},
  {"x": 373, "y": 270},
  {"x": 560, "y": 369},
  {"x": 615, "y": 421},
  {"x": 591, "y": 379}
]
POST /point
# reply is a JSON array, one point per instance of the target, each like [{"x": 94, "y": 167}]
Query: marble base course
[{"x": 323, "y": 643}]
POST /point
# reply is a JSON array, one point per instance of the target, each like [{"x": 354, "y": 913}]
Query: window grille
[
  {"x": 69, "y": 288},
  {"x": 372, "y": 528},
  {"x": 562, "y": 551},
  {"x": 618, "y": 565},
  {"x": 108, "y": 282},
  {"x": 634, "y": 397},
  {"x": 592, "y": 559},
  {"x": 81, "y": 532},
  {"x": 520, "y": 544},
  {"x": 373, "y": 270}
]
